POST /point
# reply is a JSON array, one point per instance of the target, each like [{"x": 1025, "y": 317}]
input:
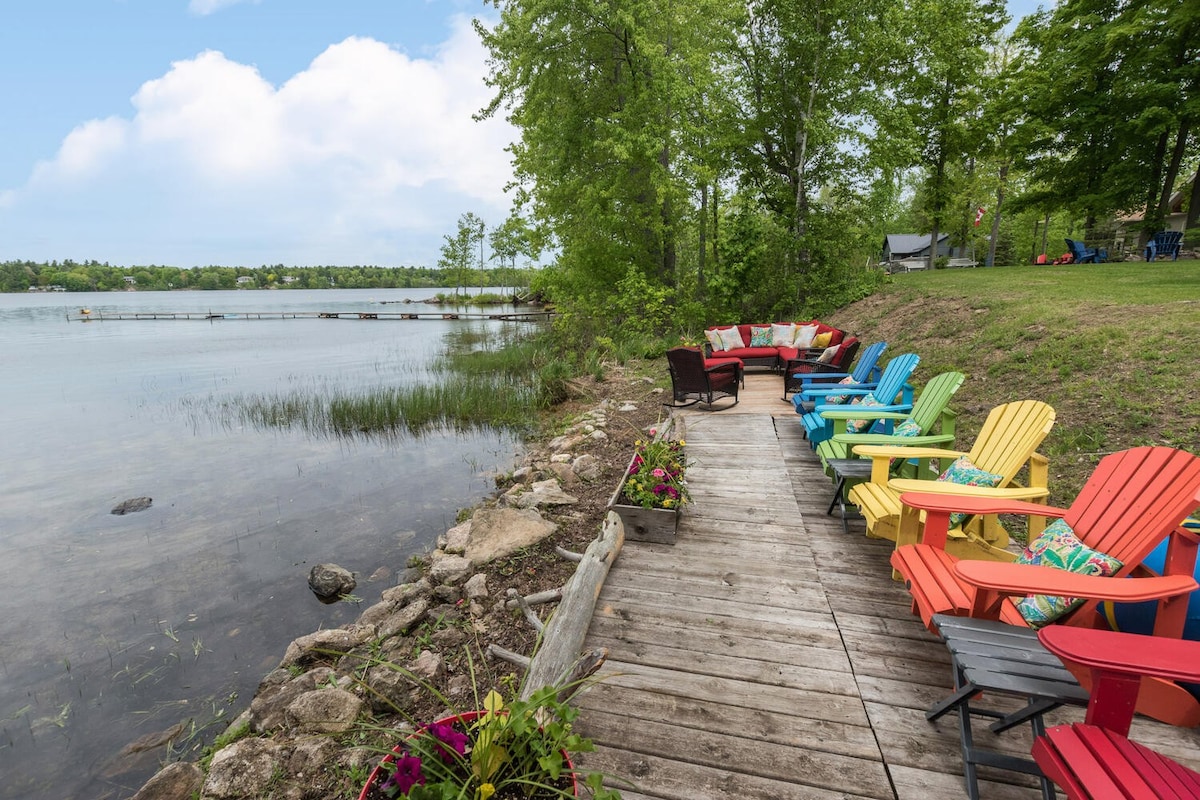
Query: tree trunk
[
  {"x": 1045, "y": 230},
  {"x": 1164, "y": 199},
  {"x": 991, "y": 256},
  {"x": 703, "y": 238},
  {"x": 1152, "y": 217},
  {"x": 1193, "y": 215}
]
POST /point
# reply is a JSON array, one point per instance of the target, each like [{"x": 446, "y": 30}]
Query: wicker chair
[{"x": 692, "y": 382}]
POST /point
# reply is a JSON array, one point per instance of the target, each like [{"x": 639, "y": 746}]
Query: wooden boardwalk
[{"x": 768, "y": 655}]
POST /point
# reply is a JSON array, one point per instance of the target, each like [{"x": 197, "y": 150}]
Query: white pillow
[
  {"x": 714, "y": 340},
  {"x": 782, "y": 335},
  {"x": 804, "y": 336},
  {"x": 731, "y": 338},
  {"x": 828, "y": 353}
]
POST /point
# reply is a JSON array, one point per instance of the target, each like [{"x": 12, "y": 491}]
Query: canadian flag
[{"x": 979, "y": 212}]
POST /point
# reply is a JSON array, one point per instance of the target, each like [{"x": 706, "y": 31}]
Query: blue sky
[{"x": 245, "y": 132}]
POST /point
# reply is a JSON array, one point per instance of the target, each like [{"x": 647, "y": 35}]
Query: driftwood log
[{"x": 558, "y": 660}]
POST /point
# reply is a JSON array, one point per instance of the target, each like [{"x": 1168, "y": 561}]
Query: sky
[{"x": 246, "y": 132}]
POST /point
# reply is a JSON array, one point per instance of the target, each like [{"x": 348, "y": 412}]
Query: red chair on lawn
[{"x": 1094, "y": 759}]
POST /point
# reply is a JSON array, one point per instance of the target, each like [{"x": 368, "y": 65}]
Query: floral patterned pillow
[
  {"x": 863, "y": 425},
  {"x": 714, "y": 340},
  {"x": 1059, "y": 547},
  {"x": 761, "y": 337},
  {"x": 907, "y": 428},
  {"x": 965, "y": 473},
  {"x": 839, "y": 399}
]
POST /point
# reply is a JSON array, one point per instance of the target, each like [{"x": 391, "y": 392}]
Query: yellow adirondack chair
[{"x": 1006, "y": 443}]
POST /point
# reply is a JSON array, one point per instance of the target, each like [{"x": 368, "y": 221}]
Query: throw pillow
[
  {"x": 731, "y": 338},
  {"x": 963, "y": 472},
  {"x": 782, "y": 334},
  {"x": 827, "y": 354},
  {"x": 862, "y": 425},
  {"x": 907, "y": 428},
  {"x": 761, "y": 337},
  {"x": 804, "y": 336},
  {"x": 714, "y": 340},
  {"x": 1059, "y": 547},
  {"x": 838, "y": 399},
  {"x": 822, "y": 339}
]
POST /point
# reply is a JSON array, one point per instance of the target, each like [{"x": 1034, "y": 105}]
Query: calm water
[{"x": 113, "y": 627}]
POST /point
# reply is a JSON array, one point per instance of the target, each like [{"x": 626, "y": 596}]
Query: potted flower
[
  {"x": 653, "y": 490},
  {"x": 518, "y": 751}
]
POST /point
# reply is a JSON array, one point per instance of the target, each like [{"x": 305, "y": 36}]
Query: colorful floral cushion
[
  {"x": 1059, "y": 547},
  {"x": 804, "y": 336},
  {"x": 907, "y": 428},
  {"x": 731, "y": 338},
  {"x": 839, "y": 399},
  {"x": 782, "y": 335},
  {"x": 822, "y": 339},
  {"x": 963, "y": 472},
  {"x": 761, "y": 337},
  {"x": 862, "y": 425}
]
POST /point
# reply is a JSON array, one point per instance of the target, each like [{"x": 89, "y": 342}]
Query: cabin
[{"x": 899, "y": 246}]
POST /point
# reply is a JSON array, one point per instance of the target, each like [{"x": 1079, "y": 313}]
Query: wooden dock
[
  {"x": 213, "y": 316},
  {"x": 767, "y": 655}
]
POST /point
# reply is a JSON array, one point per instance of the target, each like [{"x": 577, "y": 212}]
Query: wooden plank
[
  {"x": 814, "y": 629},
  {"x": 767, "y": 644}
]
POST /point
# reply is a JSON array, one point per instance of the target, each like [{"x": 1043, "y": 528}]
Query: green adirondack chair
[{"x": 927, "y": 412}]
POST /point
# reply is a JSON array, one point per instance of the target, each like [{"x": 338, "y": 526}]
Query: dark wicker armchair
[
  {"x": 692, "y": 382},
  {"x": 810, "y": 364}
]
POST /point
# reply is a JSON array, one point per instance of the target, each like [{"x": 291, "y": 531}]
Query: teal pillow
[
  {"x": 761, "y": 337},
  {"x": 964, "y": 473},
  {"x": 1059, "y": 547},
  {"x": 862, "y": 425},
  {"x": 907, "y": 428}
]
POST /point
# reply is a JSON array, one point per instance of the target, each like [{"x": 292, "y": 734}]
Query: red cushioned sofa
[{"x": 775, "y": 358}]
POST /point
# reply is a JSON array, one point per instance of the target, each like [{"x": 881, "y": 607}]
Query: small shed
[{"x": 899, "y": 246}]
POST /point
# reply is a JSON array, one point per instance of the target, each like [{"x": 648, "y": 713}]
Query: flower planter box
[{"x": 657, "y": 525}]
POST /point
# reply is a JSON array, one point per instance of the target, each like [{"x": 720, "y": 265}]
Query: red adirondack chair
[
  {"x": 1095, "y": 759},
  {"x": 1133, "y": 500}
]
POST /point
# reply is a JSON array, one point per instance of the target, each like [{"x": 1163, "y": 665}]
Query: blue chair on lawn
[
  {"x": 1081, "y": 254},
  {"x": 1164, "y": 243},
  {"x": 892, "y": 384},
  {"x": 865, "y": 375}
]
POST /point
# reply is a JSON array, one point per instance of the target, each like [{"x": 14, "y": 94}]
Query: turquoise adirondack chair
[
  {"x": 866, "y": 375},
  {"x": 929, "y": 409},
  {"x": 892, "y": 384}
]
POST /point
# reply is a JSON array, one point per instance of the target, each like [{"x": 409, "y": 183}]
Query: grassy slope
[{"x": 1115, "y": 348}]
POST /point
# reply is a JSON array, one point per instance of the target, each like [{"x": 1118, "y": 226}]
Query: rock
[
  {"x": 407, "y": 591},
  {"x": 132, "y": 505},
  {"x": 545, "y": 493},
  {"x": 316, "y": 646},
  {"x": 381, "y": 574},
  {"x": 447, "y": 593},
  {"x": 599, "y": 436},
  {"x": 311, "y": 756},
  {"x": 324, "y": 711},
  {"x": 456, "y": 538},
  {"x": 428, "y": 665},
  {"x": 560, "y": 458},
  {"x": 405, "y": 619},
  {"x": 178, "y": 781},
  {"x": 627, "y": 407},
  {"x": 566, "y": 476},
  {"x": 521, "y": 473},
  {"x": 459, "y": 686},
  {"x": 331, "y": 581},
  {"x": 587, "y": 467},
  {"x": 267, "y": 709},
  {"x": 388, "y": 687},
  {"x": 450, "y": 569},
  {"x": 476, "y": 587},
  {"x": 497, "y": 532},
  {"x": 245, "y": 768}
]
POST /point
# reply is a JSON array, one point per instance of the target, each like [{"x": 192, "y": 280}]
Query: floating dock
[{"x": 211, "y": 316}]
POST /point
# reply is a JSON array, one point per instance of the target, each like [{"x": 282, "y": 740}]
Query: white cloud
[{"x": 367, "y": 156}]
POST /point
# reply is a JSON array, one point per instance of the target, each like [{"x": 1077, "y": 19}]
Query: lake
[{"x": 115, "y": 627}]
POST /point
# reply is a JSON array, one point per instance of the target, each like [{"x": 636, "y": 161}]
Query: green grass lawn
[{"x": 1114, "y": 348}]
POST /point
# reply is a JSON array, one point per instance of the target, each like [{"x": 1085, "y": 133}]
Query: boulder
[
  {"x": 324, "y": 711},
  {"x": 545, "y": 493},
  {"x": 587, "y": 467},
  {"x": 245, "y": 768},
  {"x": 329, "y": 581},
  {"x": 178, "y": 781},
  {"x": 497, "y": 532},
  {"x": 317, "y": 646}
]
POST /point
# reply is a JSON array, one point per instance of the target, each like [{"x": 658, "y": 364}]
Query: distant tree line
[{"x": 93, "y": 276}]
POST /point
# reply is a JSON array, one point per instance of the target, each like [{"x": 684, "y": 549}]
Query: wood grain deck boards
[{"x": 768, "y": 654}]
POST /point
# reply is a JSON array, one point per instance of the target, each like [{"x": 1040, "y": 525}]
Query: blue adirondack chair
[
  {"x": 865, "y": 375},
  {"x": 1082, "y": 254},
  {"x": 1166, "y": 243},
  {"x": 892, "y": 384}
]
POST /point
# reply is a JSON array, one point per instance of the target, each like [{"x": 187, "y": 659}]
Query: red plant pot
[{"x": 380, "y": 774}]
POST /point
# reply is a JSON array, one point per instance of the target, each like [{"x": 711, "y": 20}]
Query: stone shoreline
[{"x": 290, "y": 744}]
